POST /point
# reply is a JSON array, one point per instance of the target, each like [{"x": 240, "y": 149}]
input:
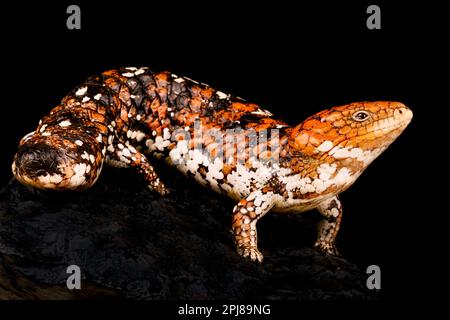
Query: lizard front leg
[
  {"x": 331, "y": 210},
  {"x": 123, "y": 155},
  {"x": 245, "y": 215}
]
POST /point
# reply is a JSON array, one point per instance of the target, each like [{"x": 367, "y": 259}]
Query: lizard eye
[{"x": 361, "y": 115}]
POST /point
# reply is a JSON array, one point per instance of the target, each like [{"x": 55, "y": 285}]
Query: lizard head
[
  {"x": 352, "y": 135},
  {"x": 62, "y": 161}
]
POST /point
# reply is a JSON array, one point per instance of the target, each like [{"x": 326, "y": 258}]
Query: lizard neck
[{"x": 317, "y": 172}]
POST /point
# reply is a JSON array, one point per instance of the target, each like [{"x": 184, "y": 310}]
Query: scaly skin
[{"x": 125, "y": 115}]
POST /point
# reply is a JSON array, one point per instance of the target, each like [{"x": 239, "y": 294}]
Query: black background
[{"x": 293, "y": 59}]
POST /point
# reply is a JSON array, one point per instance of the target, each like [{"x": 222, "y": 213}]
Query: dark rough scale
[{"x": 156, "y": 248}]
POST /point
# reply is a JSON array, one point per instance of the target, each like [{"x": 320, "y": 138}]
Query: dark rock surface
[{"x": 131, "y": 243}]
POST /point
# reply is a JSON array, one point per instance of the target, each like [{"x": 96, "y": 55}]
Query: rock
[{"x": 130, "y": 242}]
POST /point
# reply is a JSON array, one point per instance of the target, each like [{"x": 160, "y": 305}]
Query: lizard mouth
[
  {"x": 391, "y": 125},
  {"x": 381, "y": 133}
]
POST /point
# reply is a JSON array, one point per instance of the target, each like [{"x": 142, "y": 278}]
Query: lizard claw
[
  {"x": 251, "y": 253},
  {"x": 327, "y": 247},
  {"x": 161, "y": 189}
]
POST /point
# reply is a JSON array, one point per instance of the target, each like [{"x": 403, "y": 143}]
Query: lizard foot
[
  {"x": 160, "y": 188},
  {"x": 251, "y": 253},
  {"x": 327, "y": 247}
]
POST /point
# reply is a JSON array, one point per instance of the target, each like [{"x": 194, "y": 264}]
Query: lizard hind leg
[
  {"x": 331, "y": 210},
  {"x": 245, "y": 216}
]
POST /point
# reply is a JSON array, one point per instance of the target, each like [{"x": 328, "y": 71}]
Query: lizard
[{"x": 127, "y": 116}]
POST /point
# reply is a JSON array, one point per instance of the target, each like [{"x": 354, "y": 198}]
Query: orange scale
[
  {"x": 162, "y": 111},
  {"x": 195, "y": 104},
  {"x": 339, "y": 123},
  {"x": 207, "y": 93}
]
